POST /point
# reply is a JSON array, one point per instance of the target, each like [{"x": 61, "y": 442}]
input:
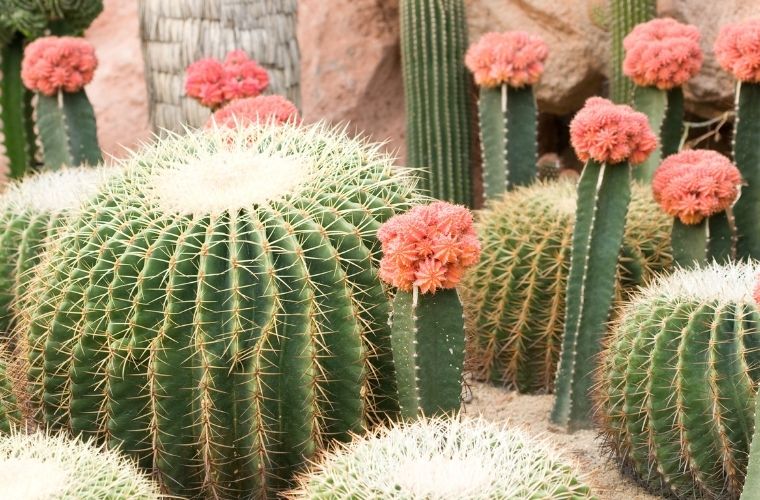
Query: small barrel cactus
[
  {"x": 442, "y": 459},
  {"x": 31, "y": 211},
  {"x": 515, "y": 295},
  {"x": 216, "y": 312},
  {"x": 678, "y": 378},
  {"x": 38, "y": 466}
]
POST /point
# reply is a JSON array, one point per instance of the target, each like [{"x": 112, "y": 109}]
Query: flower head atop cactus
[
  {"x": 263, "y": 108},
  {"x": 215, "y": 83},
  {"x": 662, "y": 53},
  {"x": 52, "y": 64},
  {"x": 513, "y": 57},
  {"x": 428, "y": 247},
  {"x": 611, "y": 133},
  {"x": 737, "y": 49},
  {"x": 695, "y": 184}
]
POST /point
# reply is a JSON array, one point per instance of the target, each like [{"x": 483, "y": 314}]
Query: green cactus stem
[
  {"x": 751, "y": 489},
  {"x": 507, "y": 137},
  {"x": 671, "y": 130},
  {"x": 427, "y": 335},
  {"x": 10, "y": 413},
  {"x": 747, "y": 160},
  {"x": 68, "y": 131},
  {"x": 604, "y": 192},
  {"x": 664, "y": 110},
  {"x": 437, "y": 96},
  {"x": 690, "y": 243},
  {"x": 625, "y": 14}
]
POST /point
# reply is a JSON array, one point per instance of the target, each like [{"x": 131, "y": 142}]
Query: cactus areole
[{"x": 215, "y": 311}]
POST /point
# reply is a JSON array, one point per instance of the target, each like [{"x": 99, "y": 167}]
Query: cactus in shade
[
  {"x": 506, "y": 66},
  {"x": 54, "y": 467},
  {"x": 624, "y": 15},
  {"x": 548, "y": 167},
  {"x": 441, "y": 459},
  {"x": 515, "y": 296},
  {"x": 698, "y": 188},
  {"x": 678, "y": 378},
  {"x": 218, "y": 328},
  {"x": 609, "y": 138},
  {"x": 425, "y": 254},
  {"x": 737, "y": 49},
  {"x": 660, "y": 56},
  {"x": 437, "y": 97}
]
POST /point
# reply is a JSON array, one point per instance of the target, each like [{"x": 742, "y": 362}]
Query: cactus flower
[
  {"x": 695, "y": 184},
  {"x": 215, "y": 83},
  {"x": 254, "y": 110},
  {"x": 611, "y": 133},
  {"x": 737, "y": 49},
  {"x": 428, "y": 247},
  {"x": 662, "y": 53},
  {"x": 52, "y": 64},
  {"x": 513, "y": 57},
  {"x": 205, "y": 82}
]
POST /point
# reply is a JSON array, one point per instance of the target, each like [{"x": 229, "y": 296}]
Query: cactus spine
[
  {"x": 68, "y": 132},
  {"x": 10, "y": 413},
  {"x": 625, "y": 15},
  {"x": 677, "y": 381},
  {"x": 215, "y": 327},
  {"x": 436, "y": 89},
  {"x": 747, "y": 159}
]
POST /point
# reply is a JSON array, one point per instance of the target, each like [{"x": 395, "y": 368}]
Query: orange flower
[
  {"x": 695, "y": 184},
  {"x": 52, "y": 64},
  {"x": 242, "y": 112},
  {"x": 514, "y": 57},
  {"x": 737, "y": 50}
]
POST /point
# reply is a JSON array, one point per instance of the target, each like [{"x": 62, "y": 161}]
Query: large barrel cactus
[
  {"x": 10, "y": 412},
  {"x": 678, "y": 380},
  {"x": 215, "y": 312},
  {"x": 515, "y": 295}
]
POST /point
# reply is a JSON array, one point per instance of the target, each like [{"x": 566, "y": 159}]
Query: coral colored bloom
[
  {"x": 662, "y": 53},
  {"x": 52, "y": 64},
  {"x": 611, "y": 133},
  {"x": 264, "y": 108},
  {"x": 695, "y": 184},
  {"x": 243, "y": 77},
  {"x": 205, "y": 82},
  {"x": 428, "y": 247},
  {"x": 514, "y": 57},
  {"x": 737, "y": 49}
]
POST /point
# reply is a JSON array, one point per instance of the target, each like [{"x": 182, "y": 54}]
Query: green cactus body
[
  {"x": 218, "y": 328},
  {"x": 707, "y": 241},
  {"x": 427, "y": 335},
  {"x": 10, "y": 413},
  {"x": 664, "y": 109},
  {"x": 677, "y": 382},
  {"x": 625, "y": 14},
  {"x": 60, "y": 17},
  {"x": 747, "y": 159},
  {"x": 515, "y": 296},
  {"x": 604, "y": 192},
  {"x": 751, "y": 488},
  {"x": 507, "y": 137},
  {"x": 672, "y": 128},
  {"x": 436, "y": 89},
  {"x": 68, "y": 131}
]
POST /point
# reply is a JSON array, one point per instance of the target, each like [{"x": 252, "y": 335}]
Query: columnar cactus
[
  {"x": 219, "y": 328},
  {"x": 737, "y": 49},
  {"x": 506, "y": 66},
  {"x": 54, "y": 467},
  {"x": 660, "y": 56},
  {"x": 678, "y": 380},
  {"x": 443, "y": 458},
  {"x": 625, "y": 14},
  {"x": 515, "y": 296},
  {"x": 425, "y": 254},
  {"x": 609, "y": 138},
  {"x": 436, "y": 92}
]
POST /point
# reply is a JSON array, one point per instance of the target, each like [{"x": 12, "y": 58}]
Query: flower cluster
[
  {"x": 737, "y": 49},
  {"x": 695, "y": 184},
  {"x": 514, "y": 57},
  {"x": 662, "y": 53},
  {"x": 428, "y": 247},
  {"x": 215, "y": 83},
  {"x": 611, "y": 133},
  {"x": 52, "y": 64},
  {"x": 263, "y": 108}
]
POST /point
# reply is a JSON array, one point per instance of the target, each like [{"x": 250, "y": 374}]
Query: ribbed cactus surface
[
  {"x": 747, "y": 159},
  {"x": 678, "y": 378},
  {"x": 10, "y": 413},
  {"x": 624, "y": 15},
  {"x": 216, "y": 312},
  {"x": 437, "y": 96},
  {"x": 515, "y": 296}
]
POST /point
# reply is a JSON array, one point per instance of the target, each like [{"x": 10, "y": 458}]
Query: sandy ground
[{"x": 582, "y": 447}]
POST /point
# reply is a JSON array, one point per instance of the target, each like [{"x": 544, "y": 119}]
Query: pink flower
[
  {"x": 205, "y": 82},
  {"x": 243, "y": 77},
  {"x": 611, "y": 133},
  {"x": 52, "y": 64},
  {"x": 428, "y": 247},
  {"x": 695, "y": 184},
  {"x": 737, "y": 49},
  {"x": 264, "y": 108},
  {"x": 662, "y": 53},
  {"x": 514, "y": 57}
]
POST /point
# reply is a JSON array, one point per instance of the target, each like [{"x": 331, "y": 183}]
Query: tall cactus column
[
  {"x": 625, "y": 14},
  {"x": 19, "y": 138},
  {"x": 609, "y": 138},
  {"x": 436, "y": 90}
]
